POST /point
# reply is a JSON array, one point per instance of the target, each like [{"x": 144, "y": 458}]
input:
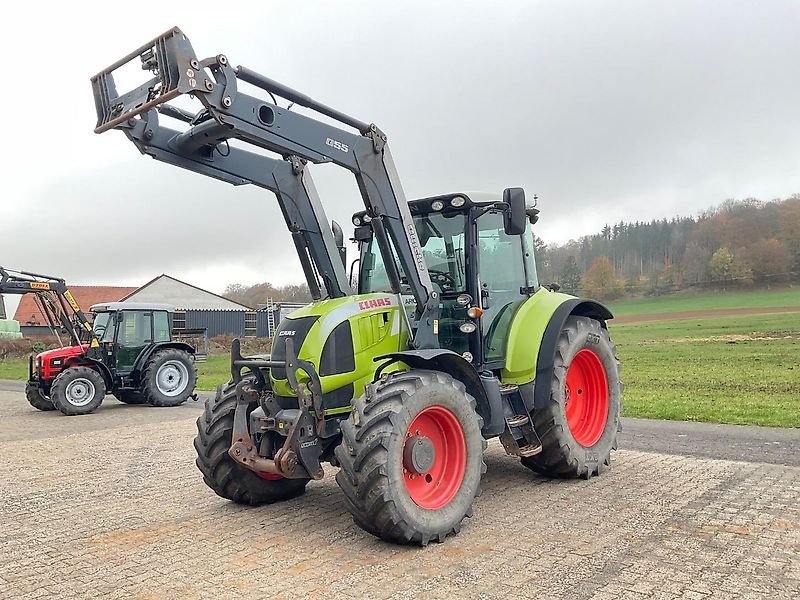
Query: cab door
[
  {"x": 134, "y": 334},
  {"x": 503, "y": 283}
]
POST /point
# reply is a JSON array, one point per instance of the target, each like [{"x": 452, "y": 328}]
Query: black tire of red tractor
[
  {"x": 37, "y": 399},
  {"x": 150, "y": 391},
  {"x": 130, "y": 397},
  {"x": 562, "y": 455},
  {"x": 221, "y": 473},
  {"x": 371, "y": 457},
  {"x": 58, "y": 391}
]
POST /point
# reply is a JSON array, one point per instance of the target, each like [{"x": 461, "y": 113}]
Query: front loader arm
[
  {"x": 232, "y": 114},
  {"x": 287, "y": 179},
  {"x": 54, "y": 300}
]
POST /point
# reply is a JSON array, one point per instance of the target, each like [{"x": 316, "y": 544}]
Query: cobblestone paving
[{"x": 121, "y": 512}]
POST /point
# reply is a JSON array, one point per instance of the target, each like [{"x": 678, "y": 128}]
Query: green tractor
[{"x": 399, "y": 374}]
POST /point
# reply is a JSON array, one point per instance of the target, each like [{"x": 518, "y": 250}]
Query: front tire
[
  {"x": 221, "y": 473},
  {"x": 37, "y": 399},
  {"x": 169, "y": 378},
  {"x": 78, "y": 391},
  {"x": 411, "y": 457},
  {"x": 578, "y": 426}
]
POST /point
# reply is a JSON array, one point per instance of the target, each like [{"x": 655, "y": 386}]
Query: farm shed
[{"x": 196, "y": 308}]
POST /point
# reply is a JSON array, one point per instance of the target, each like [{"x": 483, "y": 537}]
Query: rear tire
[
  {"x": 220, "y": 472},
  {"x": 37, "y": 399},
  {"x": 169, "y": 377},
  {"x": 78, "y": 391},
  {"x": 393, "y": 492},
  {"x": 578, "y": 427}
]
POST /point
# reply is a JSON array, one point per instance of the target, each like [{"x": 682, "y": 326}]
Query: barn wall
[{"x": 217, "y": 322}]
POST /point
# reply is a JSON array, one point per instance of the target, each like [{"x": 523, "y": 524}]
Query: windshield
[
  {"x": 442, "y": 240},
  {"x": 102, "y": 331}
]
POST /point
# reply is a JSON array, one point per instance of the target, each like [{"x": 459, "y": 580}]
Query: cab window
[
  {"x": 160, "y": 326},
  {"x": 135, "y": 329}
]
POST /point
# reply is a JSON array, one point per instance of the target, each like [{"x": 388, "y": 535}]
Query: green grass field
[
  {"x": 14, "y": 369},
  {"x": 721, "y": 370},
  {"x": 715, "y": 301}
]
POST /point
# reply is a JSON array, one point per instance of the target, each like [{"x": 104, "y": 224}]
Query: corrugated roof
[
  {"x": 28, "y": 312},
  {"x": 184, "y": 303}
]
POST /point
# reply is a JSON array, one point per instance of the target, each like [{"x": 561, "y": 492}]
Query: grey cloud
[{"x": 612, "y": 110}]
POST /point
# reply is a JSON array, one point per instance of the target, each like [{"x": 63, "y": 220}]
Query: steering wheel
[{"x": 442, "y": 278}]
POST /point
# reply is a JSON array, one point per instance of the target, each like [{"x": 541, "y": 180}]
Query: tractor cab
[
  {"x": 482, "y": 272},
  {"x": 126, "y": 330}
]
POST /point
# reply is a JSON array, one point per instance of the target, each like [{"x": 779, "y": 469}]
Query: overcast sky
[{"x": 606, "y": 110}]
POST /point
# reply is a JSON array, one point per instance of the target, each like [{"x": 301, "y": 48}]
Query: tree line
[
  {"x": 256, "y": 296},
  {"x": 739, "y": 243}
]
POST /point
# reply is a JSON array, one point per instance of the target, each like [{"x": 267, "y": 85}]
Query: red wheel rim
[
  {"x": 269, "y": 476},
  {"x": 586, "y": 398},
  {"x": 437, "y": 485}
]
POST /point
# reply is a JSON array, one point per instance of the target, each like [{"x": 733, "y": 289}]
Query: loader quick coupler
[{"x": 298, "y": 457}]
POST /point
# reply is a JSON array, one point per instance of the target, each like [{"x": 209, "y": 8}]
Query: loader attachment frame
[
  {"x": 230, "y": 114},
  {"x": 55, "y": 302}
]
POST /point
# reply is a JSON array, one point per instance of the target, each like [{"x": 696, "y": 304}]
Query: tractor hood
[
  {"x": 66, "y": 352},
  {"x": 340, "y": 337}
]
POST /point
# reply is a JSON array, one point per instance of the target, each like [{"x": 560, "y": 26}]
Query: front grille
[{"x": 297, "y": 329}]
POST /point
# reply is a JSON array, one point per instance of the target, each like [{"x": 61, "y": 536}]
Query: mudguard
[
  {"x": 535, "y": 330},
  {"x": 99, "y": 365},
  {"x": 145, "y": 355},
  {"x": 449, "y": 362}
]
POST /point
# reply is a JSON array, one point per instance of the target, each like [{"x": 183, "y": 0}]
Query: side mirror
[
  {"x": 515, "y": 217},
  {"x": 338, "y": 238},
  {"x": 362, "y": 233}
]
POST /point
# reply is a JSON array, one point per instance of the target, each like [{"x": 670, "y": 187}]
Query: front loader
[{"x": 446, "y": 340}]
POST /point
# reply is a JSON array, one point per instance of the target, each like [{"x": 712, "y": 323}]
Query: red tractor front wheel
[{"x": 411, "y": 457}]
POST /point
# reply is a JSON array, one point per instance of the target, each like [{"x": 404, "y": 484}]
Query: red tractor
[{"x": 128, "y": 351}]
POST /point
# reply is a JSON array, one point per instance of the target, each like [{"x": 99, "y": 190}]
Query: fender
[
  {"x": 529, "y": 328},
  {"x": 449, "y": 362},
  {"x": 142, "y": 359},
  {"x": 547, "y": 349},
  {"x": 98, "y": 365}
]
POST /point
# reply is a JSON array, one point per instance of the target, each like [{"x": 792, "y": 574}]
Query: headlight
[
  {"x": 356, "y": 220},
  {"x": 464, "y": 300},
  {"x": 367, "y": 218},
  {"x": 437, "y": 205},
  {"x": 458, "y": 201},
  {"x": 467, "y": 356},
  {"x": 467, "y": 327}
]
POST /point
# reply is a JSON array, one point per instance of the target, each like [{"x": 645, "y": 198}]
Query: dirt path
[{"x": 700, "y": 314}]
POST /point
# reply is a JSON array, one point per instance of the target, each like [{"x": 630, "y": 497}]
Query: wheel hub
[
  {"x": 79, "y": 392},
  {"x": 434, "y": 457},
  {"x": 418, "y": 454},
  {"x": 586, "y": 398},
  {"x": 172, "y": 378}
]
